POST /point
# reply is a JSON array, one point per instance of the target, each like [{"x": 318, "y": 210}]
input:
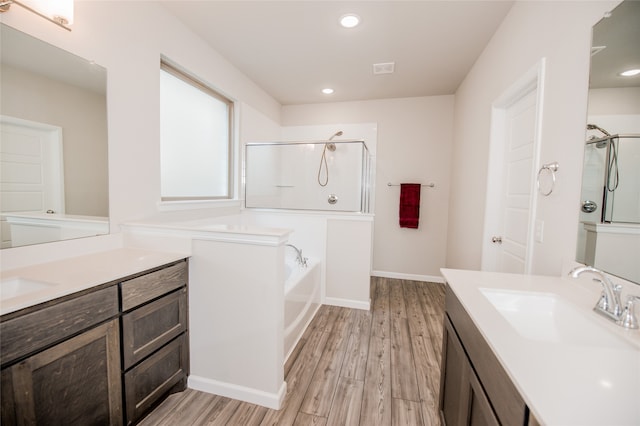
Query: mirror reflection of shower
[
  {"x": 613, "y": 174},
  {"x": 598, "y": 128},
  {"x": 323, "y": 160},
  {"x": 611, "y": 177}
]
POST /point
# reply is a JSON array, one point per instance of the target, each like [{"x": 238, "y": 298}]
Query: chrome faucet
[
  {"x": 609, "y": 304},
  {"x": 302, "y": 261}
]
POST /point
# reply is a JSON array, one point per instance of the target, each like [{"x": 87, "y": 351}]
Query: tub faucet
[
  {"x": 609, "y": 304},
  {"x": 302, "y": 261}
]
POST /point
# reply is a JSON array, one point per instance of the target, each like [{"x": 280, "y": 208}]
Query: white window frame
[{"x": 186, "y": 202}]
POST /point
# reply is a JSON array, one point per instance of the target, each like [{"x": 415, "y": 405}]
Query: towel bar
[{"x": 428, "y": 185}]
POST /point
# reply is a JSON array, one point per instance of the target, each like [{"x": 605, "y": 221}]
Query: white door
[
  {"x": 511, "y": 196},
  {"x": 31, "y": 168}
]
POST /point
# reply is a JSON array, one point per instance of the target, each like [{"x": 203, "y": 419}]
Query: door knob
[{"x": 497, "y": 240}]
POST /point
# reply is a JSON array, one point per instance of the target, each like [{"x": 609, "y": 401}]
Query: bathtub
[{"x": 301, "y": 299}]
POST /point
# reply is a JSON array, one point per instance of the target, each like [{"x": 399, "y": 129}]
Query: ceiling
[
  {"x": 619, "y": 36},
  {"x": 294, "y": 49}
]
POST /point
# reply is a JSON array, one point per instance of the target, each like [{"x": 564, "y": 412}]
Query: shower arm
[
  {"x": 598, "y": 128},
  {"x": 616, "y": 136}
]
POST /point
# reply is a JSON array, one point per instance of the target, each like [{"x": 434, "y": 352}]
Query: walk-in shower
[
  {"x": 611, "y": 181},
  {"x": 325, "y": 175}
]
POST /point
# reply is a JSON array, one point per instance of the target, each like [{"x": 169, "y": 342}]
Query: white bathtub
[{"x": 301, "y": 299}]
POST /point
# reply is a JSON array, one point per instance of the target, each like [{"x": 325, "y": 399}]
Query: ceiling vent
[{"x": 384, "y": 68}]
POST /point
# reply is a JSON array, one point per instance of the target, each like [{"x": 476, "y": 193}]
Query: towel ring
[{"x": 550, "y": 167}]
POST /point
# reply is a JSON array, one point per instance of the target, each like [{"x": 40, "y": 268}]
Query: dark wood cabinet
[
  {"x": 24, "y": 334},
  {"x": 149, "y": 286},
  {"x": 103, "y": 356},
  {"x": 158, "y": 375},
  {"x": 154, "y": 338},
  {"x": 74, "y": 382},
  {"x": 474, "y": 388},
  {"x": 150, "y": 327},
  {"x": 463, "y": 401}
]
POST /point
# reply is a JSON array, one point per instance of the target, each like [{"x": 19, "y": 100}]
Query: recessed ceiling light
[
  {"x": 349, "y": 20},
  {"x": 327, "y": 91},
  {"x": 630, "y": 73}
]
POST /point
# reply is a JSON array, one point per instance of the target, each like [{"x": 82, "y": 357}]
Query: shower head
[
  {"x": 602, "y": 143},
  {"x": 332, "y": 146},
  {"x": 338, "y": 133},
  {"x": 598, "y": 128}
]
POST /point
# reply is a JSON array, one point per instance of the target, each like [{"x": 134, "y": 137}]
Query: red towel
[{"x": 409, "y": 205}]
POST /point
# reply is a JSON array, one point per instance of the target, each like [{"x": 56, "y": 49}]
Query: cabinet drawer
[
  {"x": 28, "y": 333},
  {"x": 147, "y": 328},
  {"x": 500, "y": 390},
  {"x": 147, "y": 287},
  {"x": 150, "y": 380}
]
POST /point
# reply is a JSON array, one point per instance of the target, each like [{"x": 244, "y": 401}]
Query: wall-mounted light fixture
[{"x": 60, "y": 12}]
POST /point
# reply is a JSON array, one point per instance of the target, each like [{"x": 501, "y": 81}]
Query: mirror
[
  {"x": 609, "y": 229},
  {"x": 53, "y": 143}
]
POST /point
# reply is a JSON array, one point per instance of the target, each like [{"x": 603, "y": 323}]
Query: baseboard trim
[
  {"x": 347, "y": 303},
  {"x": 413, "y": 277},
  {"x": 242, "y": 393}
]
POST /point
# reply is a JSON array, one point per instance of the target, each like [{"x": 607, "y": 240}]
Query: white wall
[
  {"x": 413, "y": 145},
  {"x": 560, "y": 32},
  {"x": 128, "y": 40},
  {"x": 614, "y": 101}
]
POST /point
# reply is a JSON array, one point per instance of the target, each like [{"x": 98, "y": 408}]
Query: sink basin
[
  {"x": 546, "y": 317},
  {"x": 14, "y": 287}
]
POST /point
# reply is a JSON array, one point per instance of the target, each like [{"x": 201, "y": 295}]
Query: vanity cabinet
[
  {"x": 154, "y": 338},
  {"x": 463, "y": 401},
  {"x": 474, "y": 388},
  {"x": 55, "y": 375},
  {"x": 103, "y": 356}
]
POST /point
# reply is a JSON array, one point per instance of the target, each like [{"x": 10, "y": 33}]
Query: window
[{"x": 195, "y": 139}]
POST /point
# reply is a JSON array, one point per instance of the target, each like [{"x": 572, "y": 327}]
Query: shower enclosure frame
[{"x": 366, "y": 176}]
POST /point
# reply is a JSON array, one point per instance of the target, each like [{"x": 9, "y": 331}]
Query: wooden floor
[{"x": 351, "y": 367}]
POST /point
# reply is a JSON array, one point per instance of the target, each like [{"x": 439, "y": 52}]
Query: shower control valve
[{"x": 589, "y": 206}]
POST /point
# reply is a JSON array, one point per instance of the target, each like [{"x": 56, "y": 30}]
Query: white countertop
[
  {"x": 224, "y": 224},
  {"x": 563, "y": 383},
  {"x": 82, "y": 272},
  {"x": 61, "y": 217}
]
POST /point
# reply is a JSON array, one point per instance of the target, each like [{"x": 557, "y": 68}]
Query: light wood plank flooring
[{"x": 351, "y": 367}]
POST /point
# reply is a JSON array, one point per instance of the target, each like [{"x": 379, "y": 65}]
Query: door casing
[{"x": 531, "y": 82}]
